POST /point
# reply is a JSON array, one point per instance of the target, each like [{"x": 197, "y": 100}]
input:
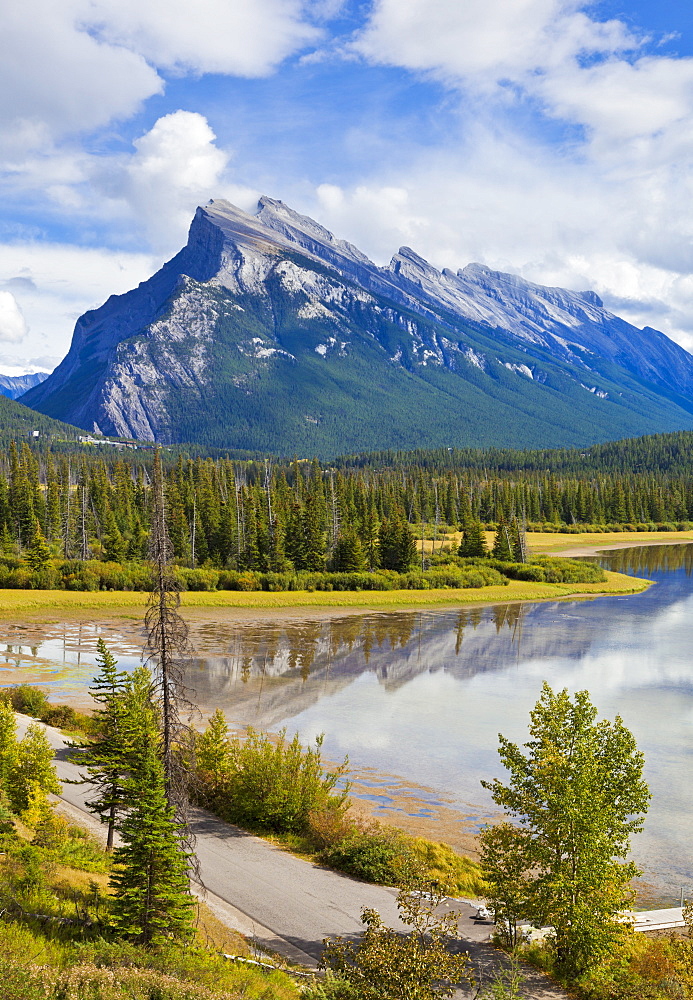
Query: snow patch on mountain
[{"x": 520, "y": 369}]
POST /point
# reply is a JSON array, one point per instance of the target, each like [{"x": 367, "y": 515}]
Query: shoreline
[
  {"x": 447, "y": 823},
  {"x": 593, "y": 549},
  {"x": 53, "y": 605},
  {"x": 16, "y": 604}
]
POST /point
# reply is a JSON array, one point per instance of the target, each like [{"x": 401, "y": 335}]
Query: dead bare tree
[{"x": 168, "y": 650}]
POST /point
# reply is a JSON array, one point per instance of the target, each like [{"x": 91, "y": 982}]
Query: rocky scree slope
[{"x": 267, "y": 333}]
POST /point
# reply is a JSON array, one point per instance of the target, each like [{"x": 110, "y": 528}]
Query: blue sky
[{"x": 551, "y": 138}]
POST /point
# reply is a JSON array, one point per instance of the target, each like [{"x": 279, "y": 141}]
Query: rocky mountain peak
[
  {"x": 514, "y": 287},
  {"x": 304, "y": 231},
  {"x": 267, "y": 331}
]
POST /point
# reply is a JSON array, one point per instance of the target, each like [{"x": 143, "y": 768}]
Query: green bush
[
  {"x": 60, "y": 716},
  {"x": 380, "y": 855},
  {"x": 472, "y": 576},
  {"x": 47, "y": 578},
  {"x": 27, "y": 699},
  {"x": 198, "y": 579},
  {"x": 445, "y": 575},
  {"x": 267, "y": 784},
  {"x": 550, "y": 569}
]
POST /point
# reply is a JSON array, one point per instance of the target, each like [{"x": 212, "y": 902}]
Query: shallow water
[{"x": 424, "y": 694}]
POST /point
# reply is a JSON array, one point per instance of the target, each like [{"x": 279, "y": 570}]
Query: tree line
[{"x": 300, "y": 516}]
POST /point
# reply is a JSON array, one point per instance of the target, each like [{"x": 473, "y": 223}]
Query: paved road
[{"x": 286, "y": 904}]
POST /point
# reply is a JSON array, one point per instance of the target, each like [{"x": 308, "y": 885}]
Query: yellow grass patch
[
  {"x": 555, "y": 542},
  {"x": 53, "y": 602}
]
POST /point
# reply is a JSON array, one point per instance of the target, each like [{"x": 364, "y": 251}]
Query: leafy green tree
[
  {"x": 504, "y": 861},
  {"x": 213, "y": 750},
  {"x": 579, "y": 795},
  {"x": 8, "y": 740},
  {"x": 385, "y": 964},
  {"x": 152, "y": 901},
  {"x": 30, "y": 768},
  {"x": 106, "y": 757},
  {"x": 473, "y": 540}
]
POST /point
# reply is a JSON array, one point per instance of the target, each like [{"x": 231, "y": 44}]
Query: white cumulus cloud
[
  {"x": 56, "y": 78},
  {"x": 76, "y": 65},
  {"x": 12, "y": 323},
  {"x": 606, "y": 205},
  {"x": 52, "y": 284},
  {"x": 175, "y": 167},
  {"x": 486, "y": 42},
  {"x": 211, "y": 36}
]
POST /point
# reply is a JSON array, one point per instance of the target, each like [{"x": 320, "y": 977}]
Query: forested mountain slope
[
  {"x": 18, "y": 422},
  {"x": 653, "y": 454},
  {"x": 267, "y": 333}
]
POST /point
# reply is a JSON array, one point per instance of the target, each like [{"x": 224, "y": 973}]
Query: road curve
[{"x": 284, "y": 903}]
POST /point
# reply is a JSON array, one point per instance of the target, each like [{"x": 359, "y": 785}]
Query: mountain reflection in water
[{"x": 424, "y": 694}]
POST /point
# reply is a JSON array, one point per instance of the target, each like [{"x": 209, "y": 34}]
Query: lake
[{"x": 422, "y": 695}]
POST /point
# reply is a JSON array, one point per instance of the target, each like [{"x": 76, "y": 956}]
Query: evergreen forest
[{"x": 74, "y": 520}]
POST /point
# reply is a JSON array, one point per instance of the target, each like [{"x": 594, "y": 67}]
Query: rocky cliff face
[{"x": 266, "y": 332}]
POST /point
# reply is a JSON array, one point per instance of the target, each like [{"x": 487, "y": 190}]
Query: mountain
[
  {"x": 14, "y": 386},
  {"x": 267, "y": 333},
  {"x": 19, "y": 423}
]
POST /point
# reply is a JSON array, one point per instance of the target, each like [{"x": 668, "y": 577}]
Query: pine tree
[
  {"x": 369, "y": 535},
  {"x": 152, "y": 900},
  {"x": 396, "y": 543},
  {"x": 106, "y": 757},
  {"x": 348, "y": 554},
  {"x": 38, "y": 554},
  {"x": 473, "y": 540},
  {"x": 502, "y": 545},
  {"x": 314, "y": 532}
]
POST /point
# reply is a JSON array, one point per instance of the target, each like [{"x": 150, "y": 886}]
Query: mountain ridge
[
  {"x": 13, "y": 386},
  {"x": 267, "y": 332}
]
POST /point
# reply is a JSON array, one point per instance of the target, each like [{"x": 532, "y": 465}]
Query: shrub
[
  {"x": 27, "y": 699},
  {"x": 198, "y": 579},
  {"x": 328, "y": 826},
  {"x": 47, "y": 578},
  {"x": 60, "y": 716},
  {"x": 83, "y": 579},
  {"x": 235, "y": 580},
  {"x": 551, "y": 569},
  {"x": 378, "y": 854},
  {"x": 270, "y": 784},
  {"x": 19, "y": 579}
]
